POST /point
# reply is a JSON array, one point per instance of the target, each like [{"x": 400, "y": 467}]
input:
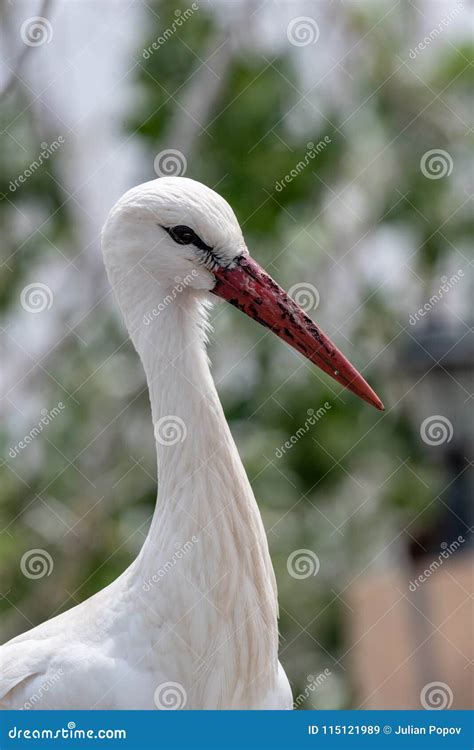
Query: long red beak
[{"x": 250, "y": 289}]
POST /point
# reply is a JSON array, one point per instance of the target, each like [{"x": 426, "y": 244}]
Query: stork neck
[
  {"x": 206, "y": 547},
  {"x": 191, "y": 434}
]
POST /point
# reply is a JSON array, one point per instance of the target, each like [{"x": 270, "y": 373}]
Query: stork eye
[
  {"x": 182, "y": 235},
  {"x": 186, "y": 236}
]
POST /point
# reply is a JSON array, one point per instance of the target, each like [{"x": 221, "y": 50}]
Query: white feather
[{"x": 205, "y": 619}]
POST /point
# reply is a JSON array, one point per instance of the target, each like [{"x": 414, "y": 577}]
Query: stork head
[{"x": 177, "y": 230}]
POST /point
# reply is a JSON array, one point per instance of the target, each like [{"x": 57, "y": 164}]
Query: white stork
[{"x": 196, "y": 630}]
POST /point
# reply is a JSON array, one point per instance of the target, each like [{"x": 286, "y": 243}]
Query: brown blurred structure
[{"x": 403, "y": 639}]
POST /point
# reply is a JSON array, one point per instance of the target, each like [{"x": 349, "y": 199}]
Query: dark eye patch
[{"x": 184, "y": 235}]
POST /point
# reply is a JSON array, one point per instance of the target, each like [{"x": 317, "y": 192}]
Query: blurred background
[{"x": 341, "y": 134}]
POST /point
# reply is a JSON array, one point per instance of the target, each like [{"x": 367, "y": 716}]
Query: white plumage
[
  {"x": 197, "y": 631},
  {"x": 192, "y": 623}
]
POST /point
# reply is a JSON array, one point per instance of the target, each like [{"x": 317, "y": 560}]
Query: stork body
[
  {"x": 208, "y": 623},
  {"x": 192, "y": 623}
]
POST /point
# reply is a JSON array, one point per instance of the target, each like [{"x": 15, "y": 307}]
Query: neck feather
[{"x": 205, "y": 561}]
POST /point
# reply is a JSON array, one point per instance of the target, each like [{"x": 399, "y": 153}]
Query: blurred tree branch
[{"x": 24, "y": 52}]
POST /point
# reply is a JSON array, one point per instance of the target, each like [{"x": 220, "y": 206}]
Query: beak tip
[
  {"x": 368, "y": 394},
  {"x": 378, "y": 404}
]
